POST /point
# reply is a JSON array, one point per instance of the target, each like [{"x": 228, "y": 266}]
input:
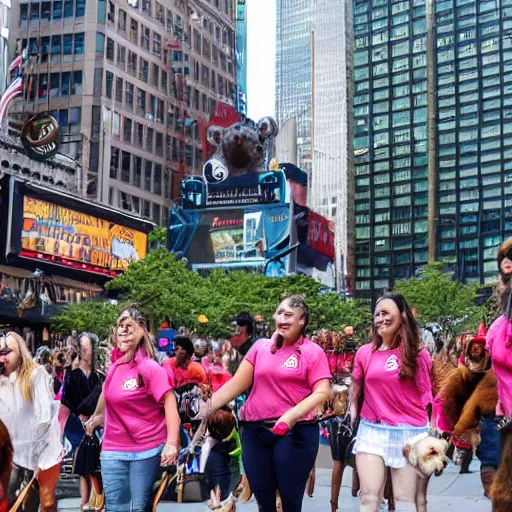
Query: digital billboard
[
  {"x": 241, "y": 53},
  {"x": 62, "y": 235}
]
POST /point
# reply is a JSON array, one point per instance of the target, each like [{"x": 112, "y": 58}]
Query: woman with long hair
[
  {"x": 392, "y": 382},
  {"x": 290, "y": 377},
  {"x": 499, "y": 344},
  {"x": 29, "y": 412},
  {"x": 81, "y": 392},
  {"x": 141, "y": 418}
]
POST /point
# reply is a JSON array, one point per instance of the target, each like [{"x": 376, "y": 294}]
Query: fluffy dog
[
  {"x": 6, "y": 454},
  {"x": 427, "y": 454},
  {"x": 501, "y": 490},
  {"x": 214, "y": 503}
]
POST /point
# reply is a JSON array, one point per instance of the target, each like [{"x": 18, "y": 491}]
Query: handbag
[{"x": 86, "y": 460}]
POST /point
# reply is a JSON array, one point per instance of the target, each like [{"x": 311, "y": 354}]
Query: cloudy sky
[{"x": 261, "y": 49}]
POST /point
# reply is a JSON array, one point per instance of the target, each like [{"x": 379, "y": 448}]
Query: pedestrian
[
  {"x": 499, "y": 344},
  {"x": 290, "y": 377},
  {"x": 28, "y": 410},
  {"x": 82, "y": 389},
  {"x": 182, "y": 367},
  {"x": 391, "y": 379},
  {"x": 138, "y": 408},
  {"x": 242, "y": 339}
]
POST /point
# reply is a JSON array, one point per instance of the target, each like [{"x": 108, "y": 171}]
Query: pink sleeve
[
  {"x": 424, "y": 376},
  {"x": 253, "y": 352},
  {"x": 499, "y": 409},
  {"x": 318, "y": 368},
  {"x": 358, "y": 368},
  {"x": 157, "y": 380}
]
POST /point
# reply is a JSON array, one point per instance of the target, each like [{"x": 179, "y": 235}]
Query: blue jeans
[
  {"x": 128, "y": 481},
  {"x": 488, "y": 450},
  {"x": 279, "y": 463}
]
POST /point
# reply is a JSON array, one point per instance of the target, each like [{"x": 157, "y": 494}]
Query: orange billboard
[{"x": 78, "y": 239}]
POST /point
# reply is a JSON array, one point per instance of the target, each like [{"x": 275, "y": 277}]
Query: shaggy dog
[
  {"x": 501, "y": 489},
  {"x": 6, "y": 454},
  {"x": 426, "y": 454}
]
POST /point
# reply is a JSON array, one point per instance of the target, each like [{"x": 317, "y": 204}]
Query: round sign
[{"x": 41, "y": 136}]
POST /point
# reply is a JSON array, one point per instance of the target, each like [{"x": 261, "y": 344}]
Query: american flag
[
  {"x": 16, "y": 63},
  {"x": 10, "y": 93}
]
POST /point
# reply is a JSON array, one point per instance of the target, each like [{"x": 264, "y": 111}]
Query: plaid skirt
[{"x": 385, "y": 441}]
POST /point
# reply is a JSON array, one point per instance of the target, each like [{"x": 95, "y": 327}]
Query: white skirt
[{"x": 385, "y": 441}]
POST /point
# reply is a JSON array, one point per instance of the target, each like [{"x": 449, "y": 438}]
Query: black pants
[{"x": 279, "y": 463}]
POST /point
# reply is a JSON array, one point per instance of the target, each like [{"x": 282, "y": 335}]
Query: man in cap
[
  {"x": 184, "y": 370},
  {"x": 241, "y": 340}
]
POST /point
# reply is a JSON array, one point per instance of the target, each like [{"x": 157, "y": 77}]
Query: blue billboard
[{"x": 241, "y": 55}]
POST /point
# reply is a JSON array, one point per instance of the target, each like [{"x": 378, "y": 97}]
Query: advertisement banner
[
  {"x": 321, "y": 234},
  {"x": 77, "y": 239},
  {"x": 241, "y": 52}
]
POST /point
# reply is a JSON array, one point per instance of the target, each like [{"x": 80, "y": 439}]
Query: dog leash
[{"x": 22, "y": 495}]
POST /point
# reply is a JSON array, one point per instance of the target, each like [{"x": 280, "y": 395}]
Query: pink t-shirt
[
  {"x": 388, "y": 399},
  {"x": 134, "y": 414},
  {"x": 501, "y": 357},
  {"x": 283, "y": 379}
]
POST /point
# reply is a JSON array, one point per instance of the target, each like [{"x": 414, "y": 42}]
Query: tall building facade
[
  {"x": 294, "y": 72},
  {"x": 5, "y": 23},
  {"x": 331, "y": 182},
  {"x": 473, "y": 80},
  {"x": 130, "y": 84},
  {"x": 390, "y": 141},
  {"x": 432, "y": 121}
]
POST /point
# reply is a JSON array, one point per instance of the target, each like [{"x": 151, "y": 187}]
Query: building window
[
  {"x": 148, "y": 178},
  {"x": 110, "y": 49},
  {"x": 157, "y": 44},
  {"x": 149, "y": 139},
  {"x": 127, "y": 132},
  {"x": 119, "y": 90},
  {"x": 121, "y": 20},
  {"x": 137, "y": 171},
  {"x": 108, "y": 84},
  {"x": 155, "y": 72},
  {"x": 114, "y": 162},
  {"x": 145, "y": 38},
  {"x": 144, "y": 69},
  {"x": 134, "y": 31}
]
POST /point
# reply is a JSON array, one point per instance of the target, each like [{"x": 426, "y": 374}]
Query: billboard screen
[
  {"x": 241, "y": 53},
  {"x": 62, "y": 235}
]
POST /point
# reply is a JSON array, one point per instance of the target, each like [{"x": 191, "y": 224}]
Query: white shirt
[{"x": 34, "y": 427}]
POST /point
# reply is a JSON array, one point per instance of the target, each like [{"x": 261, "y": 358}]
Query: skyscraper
[
  {"x": 5, "y": 21},
  {"x": 130, "y": 83},
  {"x": 294, "y": 72},
  {"x": 434, "y": 167},
  {"x": 331, "y": 182},
  {"x": 390, "y": 141},
  {"x": 473, "y": 64}
]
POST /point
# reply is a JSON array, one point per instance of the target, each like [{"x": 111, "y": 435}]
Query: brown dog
[
  {"x": 6, "y": 454},
  {"x": 501, "y": 490}
]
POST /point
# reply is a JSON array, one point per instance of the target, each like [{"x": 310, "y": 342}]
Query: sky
[{"x": 261, "y": 50}]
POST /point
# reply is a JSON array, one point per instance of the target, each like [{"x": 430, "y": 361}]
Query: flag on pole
[
  {"x": 16, "y": 63},
  {"x": 15, "y": 89}
]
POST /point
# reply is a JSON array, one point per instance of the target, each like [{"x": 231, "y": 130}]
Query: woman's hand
[
  {"x": 353, "y": 414},
  {"x": 288, "y": 418},
  {"x": 169, "y": 454},
  {"x": 92, "y": 423}
]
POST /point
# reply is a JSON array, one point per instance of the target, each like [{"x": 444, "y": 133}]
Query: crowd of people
[{"x": 252, "y": 406}]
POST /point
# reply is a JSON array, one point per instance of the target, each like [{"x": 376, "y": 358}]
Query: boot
[
  {"x": 467, "y": 457},
  {"x": 487, "y": 477}
]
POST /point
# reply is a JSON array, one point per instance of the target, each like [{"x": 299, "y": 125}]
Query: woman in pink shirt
[
  {"x": 141, "y": 418},
  {"x": 499, "y": 344},
  {"x": 393, "y": 374},
  {"x": 290, "y": 377}
]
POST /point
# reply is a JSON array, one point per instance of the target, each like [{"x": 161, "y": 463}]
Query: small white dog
[{"x": 426, "y": 454}]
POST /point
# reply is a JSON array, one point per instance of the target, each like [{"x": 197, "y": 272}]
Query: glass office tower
[
  {"x": 390, "y": 141},
  {"x": 473, "y": 52},
  {"x": 294, "y": 72}
]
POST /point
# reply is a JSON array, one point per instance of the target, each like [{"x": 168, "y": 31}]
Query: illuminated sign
[
  {"x": 64, "y": 236},
  {"x": 41, "y": 137}
]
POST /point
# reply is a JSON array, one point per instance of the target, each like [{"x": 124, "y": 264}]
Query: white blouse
[{"x": 34, "y": 427}]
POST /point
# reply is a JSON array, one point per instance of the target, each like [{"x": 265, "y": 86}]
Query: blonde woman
[
  {"x": 141, "y": 418},
  {"x": 28, "y": 409}
]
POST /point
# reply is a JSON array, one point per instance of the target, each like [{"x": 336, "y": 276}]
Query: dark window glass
[
  {"x": 157, "y": 179},
  {"x": 68, "y": 8},
  {"x": 114, "y": 162},
  {"x": 137, "y": 170},
  {"x": 109, "y": 80},
  {"x": 148, "y": 175},
  {"x": 125, "y": 162}
]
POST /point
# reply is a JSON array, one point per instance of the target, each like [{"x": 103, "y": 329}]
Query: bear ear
[
  {"x": 267, "y": 127},
  {"x": 214, "y": 135}
]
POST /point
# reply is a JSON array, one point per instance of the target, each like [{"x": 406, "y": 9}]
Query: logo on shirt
[
  {"x": 292, "y": 362},
  {"x": 130, "y": 384},
  {"x": 392, "y": 363}
]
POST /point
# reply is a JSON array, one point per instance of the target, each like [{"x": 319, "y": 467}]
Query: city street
[{"x": 450, "y": 492}]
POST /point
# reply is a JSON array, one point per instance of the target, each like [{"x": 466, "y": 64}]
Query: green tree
[
  {"x": 157, "y": 238},
  {"x": 96, "y": 317},
  {"x": 439, "y": 298},
  {"x": 162, "y": 286}
]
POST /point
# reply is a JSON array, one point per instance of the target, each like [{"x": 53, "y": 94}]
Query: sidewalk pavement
[{"x": 450, "y": 492}]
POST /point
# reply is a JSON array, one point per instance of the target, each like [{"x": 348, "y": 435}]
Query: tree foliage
[
  {"x": 439, "y": 298},
  {"x": 162, "y": 286}
]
